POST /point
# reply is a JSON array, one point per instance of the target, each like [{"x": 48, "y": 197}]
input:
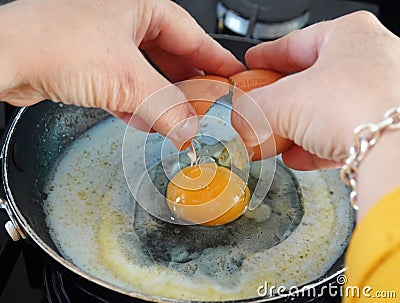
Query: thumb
[
  {"x": 277, "y": 109},
  {"x": 293, "y": 53},
  {"x": 273, "y": 109},
  {"x": 289, "y": 106},
  {"x": 151, "y": 102}
]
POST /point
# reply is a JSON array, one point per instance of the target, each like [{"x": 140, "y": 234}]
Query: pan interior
[{"x": 90, "y": 213}]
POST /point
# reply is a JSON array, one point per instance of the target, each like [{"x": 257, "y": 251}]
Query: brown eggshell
[
  {"x": 254, "y": 78},
  {"x": 245, "y": 81},
  {"x": 251, "y": 79},
  {"x": 209, "y": 92}
]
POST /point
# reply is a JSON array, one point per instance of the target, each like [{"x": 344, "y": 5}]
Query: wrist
[
  {"x": 370, "y": 168},
  {"x": 379, "y": 171}
]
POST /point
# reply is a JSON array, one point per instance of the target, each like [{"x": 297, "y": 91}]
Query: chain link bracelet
[{"x": 365, "y": 136}]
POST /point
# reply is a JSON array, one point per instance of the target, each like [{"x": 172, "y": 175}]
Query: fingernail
[
  {"x": 258, "y": 140},
  {"x": 184, "y": 131},
  {"x": 250, "y": 121}
]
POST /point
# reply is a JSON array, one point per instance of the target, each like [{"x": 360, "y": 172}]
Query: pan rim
[{"x": 81, "y": 273}]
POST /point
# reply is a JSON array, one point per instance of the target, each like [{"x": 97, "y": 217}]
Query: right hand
[{"x": 340, "y": 74}]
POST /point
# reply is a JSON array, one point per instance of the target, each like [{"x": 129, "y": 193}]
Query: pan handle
[
  {"x": 9, "y": 251},
  {"x": 12, "y": 227}
]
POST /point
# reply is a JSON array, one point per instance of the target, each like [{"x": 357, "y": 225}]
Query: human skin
[
  {"x": 90, "y": 53},
  {"x": 340, "y": 74}
]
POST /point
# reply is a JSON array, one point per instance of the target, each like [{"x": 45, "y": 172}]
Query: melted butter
[{"x": 90, "y": 217}]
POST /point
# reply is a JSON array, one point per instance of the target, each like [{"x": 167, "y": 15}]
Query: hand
[
  {"x": 340, "y": 74},
  {"x": 90, "y": 53}
]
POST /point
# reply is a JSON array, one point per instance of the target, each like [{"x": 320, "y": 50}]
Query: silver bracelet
[{"x": 365, "y": 136}]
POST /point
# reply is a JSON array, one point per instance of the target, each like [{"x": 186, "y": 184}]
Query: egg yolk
[{"x": 207, "y": 194}]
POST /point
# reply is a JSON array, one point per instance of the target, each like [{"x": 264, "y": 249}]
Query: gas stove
[
  {"x": 270, "y": 19},
  {"x": 26, "y": 276}
]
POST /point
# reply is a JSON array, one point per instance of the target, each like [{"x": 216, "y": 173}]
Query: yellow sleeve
[{"x": 373, "y": 256}]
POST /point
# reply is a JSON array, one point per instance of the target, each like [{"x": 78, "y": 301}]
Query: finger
[
  {"x": 291, "y": 53},
  {"x": 300, "y": 159},
  {"x": 282, "y": 103},
  {"x": 150, "y": 97},
  {"x": 249, "y": 120},
  {"x": 124, "y": 116},
  {"x": 22, "y": 95},
  {"x": 271, "y": 147},
  {"x": 168, "y": 112},
  {"x": 133, "y": 120},
  {"x": 183, "y": 37},
  {"x": 175, "y": 67}
]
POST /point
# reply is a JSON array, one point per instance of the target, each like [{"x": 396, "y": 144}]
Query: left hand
[{"x": 90, "y": 53}]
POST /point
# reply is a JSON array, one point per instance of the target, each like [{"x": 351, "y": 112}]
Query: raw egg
[{"x": 208, "y": 194}]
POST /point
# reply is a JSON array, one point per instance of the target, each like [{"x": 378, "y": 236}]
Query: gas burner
[
  {"x": 58, "y": 289},
  {"x": 261, "y": 19}
]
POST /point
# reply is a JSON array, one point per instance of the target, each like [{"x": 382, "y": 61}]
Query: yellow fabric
[{"x": 373, "y": 257}]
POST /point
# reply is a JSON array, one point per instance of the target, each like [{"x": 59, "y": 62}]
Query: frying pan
[{"x": 35, "y": 140}]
